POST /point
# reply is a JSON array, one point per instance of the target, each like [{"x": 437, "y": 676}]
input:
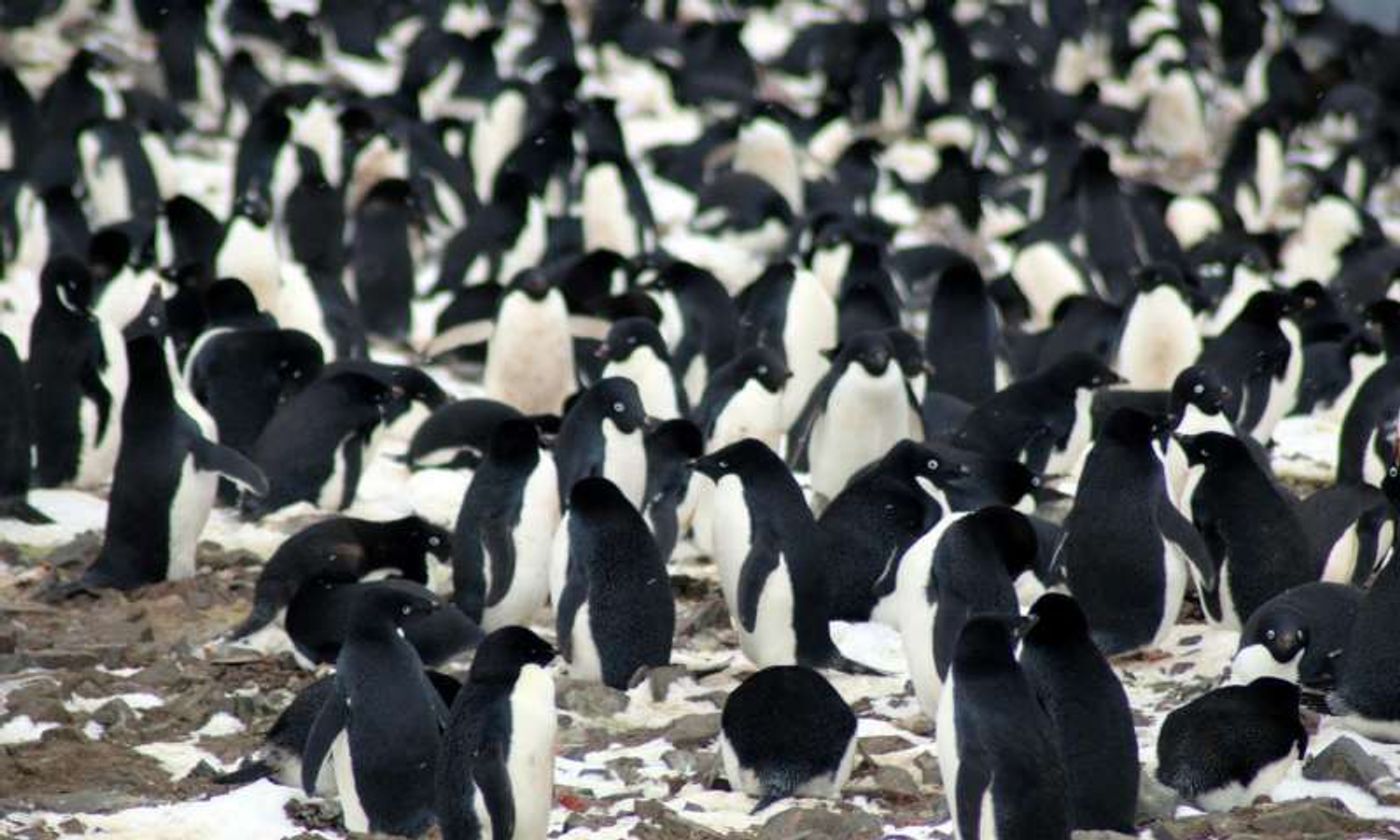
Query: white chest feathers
[{"x": 530, "y": 358}]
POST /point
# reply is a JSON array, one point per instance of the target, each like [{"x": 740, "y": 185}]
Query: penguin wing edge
[
  {"x": 492, "y": 778},
  {"x": 332, "y": 718},
  {"x": 231, "y": 464}
]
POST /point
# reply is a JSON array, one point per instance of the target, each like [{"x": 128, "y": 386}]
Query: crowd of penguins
[{"x": 1020, "y": 290}]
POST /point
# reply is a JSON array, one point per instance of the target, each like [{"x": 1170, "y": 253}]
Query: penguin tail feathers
[
  {"x": 838, "y": 662},
  {"x": 19, "y": 508},
  {"x": 770, "y": 797},
  {"x": 246, "y": 773}
]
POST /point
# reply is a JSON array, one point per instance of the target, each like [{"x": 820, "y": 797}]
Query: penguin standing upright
[
  {"x": 1227, "y": 748},
  {"x": 616, "y": 614},
  {"x": 962, "y": 335},
  {"x": 634, "y": 349},
  {"x": 1123, "y": 517},
  {"x": 15, "y": 440},
  {"x": 383, "y": 256},
  {"x": 165, "y": 481},
  {"x": 380, "y": 726},
  {"x": 249, "y": 250},
  {"x": 1160, "y": 338},
  {"x": 1002, "y": 772},
  {"x": 1259, "y": 357},
  {"x": 1089, "y": 715},
  {"x": 495, "y": 767},
  {"x": 603, "y": 435},
  {"x": 789, "y": 310},
  {"x": 786, "y": 732},
  {"x": 671, "y": 446},
  {"x": 501, "y": 548},
  {"x": 769, "y": 554}
]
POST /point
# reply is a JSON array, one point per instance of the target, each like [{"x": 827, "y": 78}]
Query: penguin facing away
[{"x": 15, "y": 440}]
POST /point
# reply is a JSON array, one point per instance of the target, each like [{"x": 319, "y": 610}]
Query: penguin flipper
[
  {"x": 761, "y": 562},
  {"x": 333, "y": 717},
  {"x": 1187, "y": 540},
  {"x": 492, "y": 778},
  {"x": 231, "y": 464},
  {"x": 459, "y": 335},
  {"x": 973, "y": 780},
  {"x": 500, "y": 553}
]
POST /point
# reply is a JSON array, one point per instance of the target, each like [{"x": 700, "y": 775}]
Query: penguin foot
[{"x": 55, "y": 591}]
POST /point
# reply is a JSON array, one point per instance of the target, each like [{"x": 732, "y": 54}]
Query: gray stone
[
  {"x": 115, "y": 715},
  {"x": 689, "y": 730},
  {"x": 1156, "y": 801},
  {"x": 590, "y": 699},
  {"x": 1345, "y": 761},
  {"x": 821, "y": 824}
]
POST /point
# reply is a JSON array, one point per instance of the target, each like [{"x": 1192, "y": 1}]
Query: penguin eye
[
  {"x": 724, "y": 465},
  {"x": 1270, "y": 635},
  {"x": 1199, "y": 389},
  {"x": 434, "y": 541},
  {"x": 1393, "y": 471},
  {"x": 763, "y": 370},
  {"x": 632, "y": 341},
  {"x": 933, "y": 464},
  {"x": 407, "y": 609},
  {"x": 618, "y": 407}
]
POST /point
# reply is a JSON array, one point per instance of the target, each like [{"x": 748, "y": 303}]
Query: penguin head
[
  {"x": 229, "y": 299},
  {"x": 1270, "y": 307},
  {"x": 871, "y": 350},
  {"x": 532, "y": 282},
  {"x": 597, "y": 498},
  {"x": 1383, "y": 315},
  {"x": 908, "y": 354},
  {"x": 914, "y": 461},
  {"x": 628, "y": 335},
  {"x": 505, "y": 651},
  {"x": 1283, "y": 633},
  {"x": 1210, "y": 448},
  {"x": 765, "y": 365},
  {"x": 1200, "y": 387},
  {"x": 254, "y": 206},
  {"x": 515, "y": 441},
  {"x": 109, "y": 251},
  {"x": 1309, "y": 294},
  {"x": 675, "y": 441},
  {"x": 1058, "y": 620},
  {"x": 390, "y": 601},
  {"x": 299, "y": 359},
  {"x": 417, "y": 386},
  {"x": 66, "y": 281},
  {"x": 987, "y": 642},
  {"x": 1131, "y": 427},
  {"x": 735, "y": 459},
  {"x": 425, "y": 536},
  {"x": 619, "y": 402},
  {"x": 1079, "y": 371}
]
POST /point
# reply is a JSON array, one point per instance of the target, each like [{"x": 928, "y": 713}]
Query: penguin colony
[{"x": 975, "y": 320}]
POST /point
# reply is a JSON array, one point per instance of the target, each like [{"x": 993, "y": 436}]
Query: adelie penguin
[
  {"x": 1124, "y": 519},
  {"x": 1231, "y": 746},
  {"x": 383, "y": 255},
  {"x": 857, "y": 412},
  {"x": 343, "y": 549},
  {"x": 319, "y": 617},
  {"x": 381, "y": 725},
  {"x": 1002, "y": 772},
  {"x": 966, "y": 565},
  {"x": 616, "y": 615},
  {"x": 78, "y": 378},
  {"x": 603, "y": 435},
  {"x": 671, "y": 446},
  {"x": 786, "y": 732},
  {"x": 634, "y": 349},
  {"x": 1299, "y": 635},
  {"x": 789, "y": 310},
  {"x": 166, "y": 478},
  {"x": 15, "y": 440},
  {"x": 1160, "y": 338},
  {"x": 501, "y": 547},
  {"x": 1259, "y": 357},
  {"x": 495, "y": 767},
  {"x": 771, "y": 560},
  {"x": 1089, "y": 715}
]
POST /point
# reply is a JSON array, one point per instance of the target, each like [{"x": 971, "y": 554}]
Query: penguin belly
[
  {"x": 533, "y": 536},
  {"x": 1283, "y": 392},
  {"x": 352, "y": 811},
  {"x": 559, "y": 560},
  {"x": 625, "y": 462},
  {"x": 530, "y": 761},
  {"x": 1064, "y": 458},
  {"x": 1159, "y": 340},
  {"x": 946, "y": 743},
  {"x": 916, "y": 631},
  {"x": 1237, "y": 795},
  {"x": 654, "y": 382},
  {"x": 731, "y": 538},
  {"x": 774, "y": 639},
  {"x": 753, "y": 412},
  {"x": 1174, "y": 574},
  {"x": 530, "y": 357},
  {"x": 586, "y": 662},
  {"x": 865, "y": 416},
  {"x": 189, "y": 511},
  {"x": 809, "y": 329},
  {"x": 1255, "y": 661}
]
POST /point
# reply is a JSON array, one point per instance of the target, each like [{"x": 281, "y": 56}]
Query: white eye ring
[
  {"x": 1199, "y": 389},
  {"x": 434, "y": 540},
  {"x": 1270, "y": 635},
  {"x": 618, "y": 407},
  {"x": 407, "y": 609},
  {"x": 724, "y": 465},
  {"x": 763, "y": 370},
  {"x": 933, "y": 464}
]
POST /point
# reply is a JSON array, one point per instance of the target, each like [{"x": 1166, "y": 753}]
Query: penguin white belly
[
  {"x": 1362, "y": 366},
  {"x": 1174, "y": 122},
  {"x": 1045, "y": 276},
  {"x": 332, "y": 494},
  {"x": 946, "y": 743},
  {"x": 754, "y": 412},
  {"x": 1372, "y": 468},
  {"x": 773, "y": 640},
  {"x": 607, "y": 221},
  {"x": 530, "y": 761},
  {"x": 108, "y": 193},
  {"x": 731, "y": 538},
  {"x": 189, "y": 511},
  {"x": 530, "y": 358},
  {"x": 534, "y": 543},
  {"x": 1065, "y": 458},
  {"x": 1174, "y": 576},
  {"x": 625, "y": 462},
  {"x": 1236, "y": 795},
  {"x": 299, "y": 308},
  {"x": 1386, "y": 731},
  {"x": 1341, "y": 560},
  {"x": 559, "y": 560},
  {"x": 528, "y": 250},
  {"x": 740, "y": 778},
  {"x": 697, "y": 376},
  {"x": 124, "y": 297},
  {"x": 1159, "y": 340},
  {"x": 655, "y": 383},
  {"x": 864, "y": 417},
  {"x": 1229, "y": 617},
  {"x": 1255, "y": 661},
  {"x": 250, "y": 254},
  {"x": 97, "y": 455},
  {"x": 352, "y": 811},
  {"x": 810, "y": 328},
  {"x": 1283, "y": 392},
  {"x": 1243, "y": 286},
  {"x": 916, "y": 631},
  {"x": 585, "y": 663},
  {"x": 828, "y": 785}
]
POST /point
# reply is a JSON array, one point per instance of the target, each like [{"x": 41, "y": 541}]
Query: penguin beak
[
  {"x": 601, "y": 352},
  {"x": 650, "y": 423}
]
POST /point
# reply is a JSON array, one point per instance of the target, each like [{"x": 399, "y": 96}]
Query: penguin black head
[
  {"x": 765, "y": 365},
  {"x": 596, "y": 497},
  {"x": 734, "y": 459},
  {"x": 871, "y": 350},
  {"x": 629, "y": 334},
  {"x": 392, "y": 602},
  {"x": 620, "y": 403},
  {"x": 1211, "y": 448},
  {"x": 505, "y": 651},
  {"x": 913, "y": 460},
  {"x": 67, "y": 282},
  {"x": 1309, "y": 294},
  {"x": 987, "y": 642},
  {"x": 1058, "y": 619},
  {"x": 229, "y": 299},
  {"x": 424, "y": 536},
  {"x": 516, "y": 440},
  {"x": 1383, "y": 315},
  {"x": 1131, "y": 427},
  {"x": 908, "y": 354},
  {"x": 253, "y": 206},
  {"x": 108, "y": 253},
  {"x": 534, "y": 282},
  {"x": 150, "y": 321},
  {"x": 1199, "y": 386},
  {"x": 300, "y": 359},
  {"x": 679, "y": 437},
  {"x": 1081, "y": 370},
  {"x": 1270, "y": 307},
  {"x": 394, "y": 191},
  {"x": 1283, "y": 633}
]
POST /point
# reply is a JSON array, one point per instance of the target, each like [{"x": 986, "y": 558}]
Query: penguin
[
  {"x": 383, "y": 256},
  {"x": 529, "y": 350},
  {"x": 962, "y": 335},
  {"x": 699, "y": 321},
  {"x": 784, "y": 731},
  {"x": 249, "y": 250},
  {"x": 1042, "y": 420},
  {"x": 966, "y": 564},
  {"x": 1230, "y": 746},
  {"x": 1365, "y": 697},
  {"x": 1089, "y": 715},
  {"x": 1123, "y": 518},
  {"x": 771, "y": 561},
  {"x": 789, "y": 310},
  {"x": 1259, "y": 358},
  {"x": 15, "y": 440},
  {"x": 165, "y": 480},
  {"x": 343, "y": 549},
  {"x": 744, "y": 399},
  {"x": 319, "y": 617},
  {"x": 495, "y": 765},
  {"x": 1160, "y": 338},
  {"x": 78, "y": 378},
  {"x": 1350, "y": 528},
  {"x": 1002, "y": 772},
  {"x": 278, "y": 757},
  {"x": 858, "y": 411},
  {"x": 502, "y": 542},
  {"x": 634, "y": 349},
  {"x": 670, "y": 447},
  {"x": 381, "y": 725},
  {"x": 1299, "y": 635},
  {"x": 506, "y": 236},
  {"x": 1256, "y": 540},
  {"x": 603, "y": 434},
  {"x": 1367, "y": 439},
  {"x": 871, "y": 524},
  {"x": 457, "y": 435},
  {"x": 616, "y": 614}
]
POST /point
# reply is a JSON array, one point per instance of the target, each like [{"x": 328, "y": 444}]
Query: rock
[
  {"x": 81, "y": 551},
  {"x": 1156, "y": 801},
  {"x": 929, "y": 771},
  {"x": 689, "y": 730},
  {"x": 1101, "y": 835},
  {"x": 12, "y": 663},
  {"x": 890, "y": 783},
  {"x": 590, "y": 699},
  {"x": 1308, "y": 816},
  {"x": 881, "y": 744},
  {"x": 115, "y": 715},
  {"x": 661, "y": 823},
  {"x": 682, "y": 761},
  {"x": 1345, "y": 761},
  {"x": 1303, "y": 819},
  {"x": 626, "y": 768},
  {"x": 821, "y": 824},
  {"x": 659, "y": 680},
  {"x": 60, "y": 659}
]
